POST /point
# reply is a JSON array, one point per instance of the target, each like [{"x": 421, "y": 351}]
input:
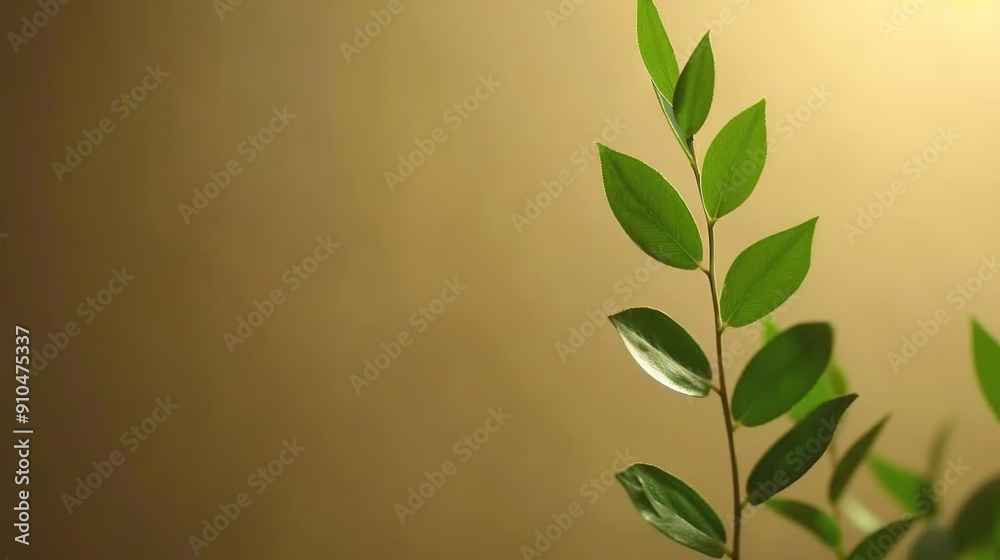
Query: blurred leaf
[
  {"x": 986, "y": 351},
  {"x": 695, "y": 88},
  {"x": 933, "y": 544},
  {"x": 879, "y": 544},
  {"x": 979, "y": 519},
  {"x": 797, "y": 451},
  {"x": 770, "y": 328},
  {"x": 859, "y": 515},
  {"x": 650, "y": 210},
  {"x": 813, "y": 520},
  {"x": 782, "y": 373},
  {"x": 674, "y": 508},
  {"x": 831, "y": 384},
  {"x": 909, "y": 490},
  {"x": 655, "y": 49},
  {"x": 664, "y": 350},
  {"x": 734, "y": 162},
  {"x": 838, "y": 379},
  {"x": 996, "y": 539},
  {"x": 996, "y": 536},
  {"x": 985, "y": 553},
  {"x": 938, "y": 447},
  {"x": 852, "y": 459},
  {"x": 766, "y": 274}
]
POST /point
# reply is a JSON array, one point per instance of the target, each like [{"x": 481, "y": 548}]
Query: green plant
[
  {"x": 975, "y": 532},
  {"x": 792, "y": 375}
]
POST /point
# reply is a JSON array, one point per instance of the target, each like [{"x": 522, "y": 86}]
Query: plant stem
[
  {"x": 720, "y": 327},
  {"x": 724, "y": 396}
]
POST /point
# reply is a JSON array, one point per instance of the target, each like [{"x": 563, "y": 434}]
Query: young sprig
[{"x": 785, "y": 372}]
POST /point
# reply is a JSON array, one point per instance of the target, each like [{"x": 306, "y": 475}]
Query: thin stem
[
  {"x": 720, "y": 328},
  {"x": 724, "y": 396}
]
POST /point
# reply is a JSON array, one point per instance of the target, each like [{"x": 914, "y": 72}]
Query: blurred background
[{"x": 343, "y": 265}]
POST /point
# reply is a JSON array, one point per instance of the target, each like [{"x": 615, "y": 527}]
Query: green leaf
[
  {"x": 664, "y": 350},
  {"x": 655, "y": 48},
  {"x": 985, "y": 553},
  {"x": 908, "y": 489},
  {"x": 797, "y": 451},
  {"x": 695, "y": 88},
  {"x": 986, "y": 350},
  {"x": 734, "y": 162},
  {"x": 852, "y": 460},
  {"x": 770, "y": 328},
  {"x": 979, "y": 519},
  {"x": 782, "y": 373},
  {"x": 674, "y": 508},
  {"x": 938, "y": 448},
  {"x": 675, "y": 128},
  {"x": 933, "y": 544},
  {"x": 877, "y": 545},
  {"x": 813, "y": 520},
  {"x": 650, "y": 210},
  {"x": 838, "y": 379},
  {"x": 996, "y": 538},
  {"x": 831, "y": 384},
  {"x": 859, "y": 515},
  {"x": 766, "y": 274}
]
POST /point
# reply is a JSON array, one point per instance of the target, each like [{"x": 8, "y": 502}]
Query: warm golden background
[{"x": 495, "y": 346}]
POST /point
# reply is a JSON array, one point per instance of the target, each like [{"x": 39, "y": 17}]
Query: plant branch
[{"x": 720, "y": 328}]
